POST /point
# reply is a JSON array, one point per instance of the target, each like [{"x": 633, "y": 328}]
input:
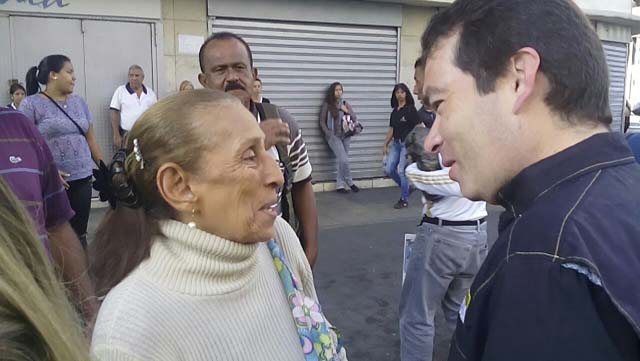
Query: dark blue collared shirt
[{"x": 561, "y": 281}]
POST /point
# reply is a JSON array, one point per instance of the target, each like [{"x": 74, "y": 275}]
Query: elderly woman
[{"x": 211, "y": 272}]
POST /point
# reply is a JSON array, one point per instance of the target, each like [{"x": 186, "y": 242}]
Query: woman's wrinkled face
[{"x": 236, "y": 191}]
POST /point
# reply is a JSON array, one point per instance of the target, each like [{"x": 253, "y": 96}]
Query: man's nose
[{"x": 433, "y": 141}]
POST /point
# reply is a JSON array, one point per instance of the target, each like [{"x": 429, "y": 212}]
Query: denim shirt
[{"x": 561, "y": 281}]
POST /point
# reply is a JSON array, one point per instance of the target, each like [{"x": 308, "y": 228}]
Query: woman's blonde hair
[
  {"x": 37, "y": 322},
  {"x": 171, "y": 131}
]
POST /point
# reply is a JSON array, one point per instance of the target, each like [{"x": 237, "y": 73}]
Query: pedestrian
[
  {"x": 185, "y": 85},
  {"x": 256, "y": 96},
  {"x": 332, "y": 111},
  {"x": 129, "y": 101},
  {"x": 521, "y": 93},
  {"x": 450, "y": 246},
  {"x": 427, "y": 117},
  {"x": 226, "y": 63},
  {"x": 38, "y": 323},
  {"x": 64, "y": 120},
  {"x": 17, "y": 93},
  {"x": 26, "y": 164},
  {"x": 215, "y": 267},
  {"x": 404, "y": 118}
]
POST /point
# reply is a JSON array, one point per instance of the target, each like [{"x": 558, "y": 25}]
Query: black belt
[{"x": 442, "y": 222}]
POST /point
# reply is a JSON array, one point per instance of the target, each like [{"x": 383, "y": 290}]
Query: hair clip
[{"x": 138, "y": 153}]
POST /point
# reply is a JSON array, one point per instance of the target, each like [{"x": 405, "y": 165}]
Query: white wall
[{"x": 618, "y": 6}]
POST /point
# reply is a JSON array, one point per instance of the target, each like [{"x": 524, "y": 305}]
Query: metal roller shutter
[
  {"x": 298, "y": 61},
  {"x": 617, "y": 61}
]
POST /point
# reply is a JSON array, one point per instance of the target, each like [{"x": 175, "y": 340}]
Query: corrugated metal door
[
  {"x": 5, "y": 61},
  {"x": 617, "y": 61},
  {"x": 298, "y": 61},
  {"x": 108, "y": 69}
]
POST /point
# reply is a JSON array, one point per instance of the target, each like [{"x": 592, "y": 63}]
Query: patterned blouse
[{"x": 69, "y": 148}]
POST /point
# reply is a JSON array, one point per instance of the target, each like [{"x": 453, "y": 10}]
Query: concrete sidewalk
[{"x": 359, "y": 269}]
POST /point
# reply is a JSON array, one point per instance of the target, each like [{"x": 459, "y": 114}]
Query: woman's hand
[
  {"x": 344, "y": 108},
  {"x": 63, "y": 175}
]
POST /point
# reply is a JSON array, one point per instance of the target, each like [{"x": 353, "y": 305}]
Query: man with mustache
[{"x": 226, "y": 63}]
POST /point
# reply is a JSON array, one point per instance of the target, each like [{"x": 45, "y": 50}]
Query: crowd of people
[{"x": 207, "y": 249}]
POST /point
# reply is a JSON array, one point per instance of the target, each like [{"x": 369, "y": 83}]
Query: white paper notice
[{"x": 189, "y": 44}]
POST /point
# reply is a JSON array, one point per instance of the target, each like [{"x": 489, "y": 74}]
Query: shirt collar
[
  {"x": 595, "y": 153},
  {"x": 131, "y": 91}
]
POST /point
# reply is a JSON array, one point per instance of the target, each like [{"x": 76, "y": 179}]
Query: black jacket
[{"x": 562, "y": 282}]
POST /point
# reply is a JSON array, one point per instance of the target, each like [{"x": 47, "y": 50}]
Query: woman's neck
[
  {"x": 56, "y": 94},
  {"x": 401, "y": 104}
]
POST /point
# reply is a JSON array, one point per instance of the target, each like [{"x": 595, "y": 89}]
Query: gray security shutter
[
  {"x": 298, "y": 61},
  {"x": 617, "y": 61}
]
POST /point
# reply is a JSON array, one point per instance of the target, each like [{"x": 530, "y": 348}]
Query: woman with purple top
[{"x": 63, "y": 119}]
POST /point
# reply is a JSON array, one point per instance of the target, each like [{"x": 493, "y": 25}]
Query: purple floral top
[{"x": 69, "y": 148}]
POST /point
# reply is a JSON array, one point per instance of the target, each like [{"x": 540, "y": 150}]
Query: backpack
[{"x": 270, "y": 111}]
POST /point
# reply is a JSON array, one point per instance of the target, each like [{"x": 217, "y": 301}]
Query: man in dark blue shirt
[{"x": 520, "y": 90}]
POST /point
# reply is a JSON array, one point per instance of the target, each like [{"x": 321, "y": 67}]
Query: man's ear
[
  {"x": 255, "y": 73},
  {"x": 202, "y": 78},
  {"x": 174, "y": 186},
  {"x": 525, "y": 65}
]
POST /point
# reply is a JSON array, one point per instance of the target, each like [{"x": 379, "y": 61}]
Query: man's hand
[
  {"x": 276, "y": 132},
  {"x": 385, "y": 150}
]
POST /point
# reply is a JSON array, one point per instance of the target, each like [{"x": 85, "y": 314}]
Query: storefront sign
[
  {"x": 43, "y": 4},
  {"x": 150, "y": 9}
]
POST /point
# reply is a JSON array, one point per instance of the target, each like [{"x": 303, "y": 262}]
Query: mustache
[{"x": 233, "y": 86}]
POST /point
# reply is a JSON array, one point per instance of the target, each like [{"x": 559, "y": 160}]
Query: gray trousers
[
  {"x": 340, "y": 148},
  {"x": 442, "y": 265}
]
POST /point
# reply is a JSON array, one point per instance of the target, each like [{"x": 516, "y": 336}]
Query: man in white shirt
[
  {"x": 128, "y": 103},
  {"x": 449, "y": 248}
]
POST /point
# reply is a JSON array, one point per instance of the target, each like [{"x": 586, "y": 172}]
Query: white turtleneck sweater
[{"x": 201, "y": 297}]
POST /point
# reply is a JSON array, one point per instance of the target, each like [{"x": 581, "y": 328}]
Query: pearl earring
[{"x": 192, "y": 224}]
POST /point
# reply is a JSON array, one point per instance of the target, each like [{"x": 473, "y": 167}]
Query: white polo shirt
[{"x": 131, "y": 106}]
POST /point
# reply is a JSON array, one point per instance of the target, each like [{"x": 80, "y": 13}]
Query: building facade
[{"x": 300, "y": 47}]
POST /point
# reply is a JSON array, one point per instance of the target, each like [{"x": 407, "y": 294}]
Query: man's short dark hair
[
  {"x": 492, "y": 31},
  {"x": 223, "y": 35}
]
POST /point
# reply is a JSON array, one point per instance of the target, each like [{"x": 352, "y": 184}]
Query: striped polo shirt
[{"x": 27, "y": 165}]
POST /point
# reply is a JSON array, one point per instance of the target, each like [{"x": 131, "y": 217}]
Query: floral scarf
[{"x": 319, "y": 340}]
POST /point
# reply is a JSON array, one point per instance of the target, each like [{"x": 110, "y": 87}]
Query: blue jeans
[
  {"x": 396, "y": 163},
  {"x": 340, "y": 148},
  {"x": 443, "y": 262}
]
